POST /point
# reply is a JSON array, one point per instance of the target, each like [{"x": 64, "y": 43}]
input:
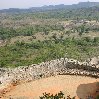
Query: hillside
[
  {"x": 27, "y": 38},
  {"x": 50, "y": 49},
  {"x": 51, "y": 7}
]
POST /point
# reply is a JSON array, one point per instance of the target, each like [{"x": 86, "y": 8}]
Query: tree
[{"x": 54, "y": 36}]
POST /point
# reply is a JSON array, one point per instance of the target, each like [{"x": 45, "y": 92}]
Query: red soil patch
[{"x": 68, "y": 84}]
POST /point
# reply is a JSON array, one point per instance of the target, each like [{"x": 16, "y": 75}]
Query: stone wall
[{"x": 63, "y": 66}]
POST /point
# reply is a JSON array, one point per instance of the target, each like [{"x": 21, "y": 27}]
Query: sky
[{"x": 5, "y": 4}]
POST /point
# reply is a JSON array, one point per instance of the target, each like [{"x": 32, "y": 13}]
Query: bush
[{"x": 60, "y": 95}]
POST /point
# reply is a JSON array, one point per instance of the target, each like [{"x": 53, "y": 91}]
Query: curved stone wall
[{"x": 63, "y": 66}]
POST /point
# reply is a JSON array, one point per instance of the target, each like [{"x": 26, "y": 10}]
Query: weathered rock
[{"x": 50, "y": 68}]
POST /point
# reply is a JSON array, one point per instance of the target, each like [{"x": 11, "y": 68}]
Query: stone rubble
[{"x": 63, "y": 66}]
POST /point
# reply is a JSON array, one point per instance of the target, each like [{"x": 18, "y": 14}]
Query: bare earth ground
[{"x": 70, "y": 85}]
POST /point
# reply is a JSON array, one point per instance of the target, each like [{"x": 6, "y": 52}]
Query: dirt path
[{"x": 66, "y": 83}]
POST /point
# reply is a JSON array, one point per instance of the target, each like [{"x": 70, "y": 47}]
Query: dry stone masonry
[{"x": 63, "y": 66}]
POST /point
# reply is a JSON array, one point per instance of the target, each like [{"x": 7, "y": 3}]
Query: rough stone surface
[{"x": 63, "y": 66}]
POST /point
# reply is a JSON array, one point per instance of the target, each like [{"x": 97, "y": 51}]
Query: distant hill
[
  {"x": 51, "y": 7},
  {"x": 87, "y": 4}
]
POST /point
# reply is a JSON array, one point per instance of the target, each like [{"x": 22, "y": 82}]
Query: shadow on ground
[{"x": 90, "y": 90}]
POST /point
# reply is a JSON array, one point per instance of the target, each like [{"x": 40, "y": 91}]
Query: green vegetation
[
  {"x": 21, "y": 53},
  {"x": 29, "y": 23},
  {"x": 6, "y": 33},
  {"x": 60, "y": 95},
  {"x": 97, "y": 97},
  {"x": 57, "y": 33}
]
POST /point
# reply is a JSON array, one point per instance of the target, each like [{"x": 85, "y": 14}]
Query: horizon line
[{"x": 45, "y": 5}]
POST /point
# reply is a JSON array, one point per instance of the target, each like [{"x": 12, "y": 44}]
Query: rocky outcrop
[{"x": 63, "y": 66}]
